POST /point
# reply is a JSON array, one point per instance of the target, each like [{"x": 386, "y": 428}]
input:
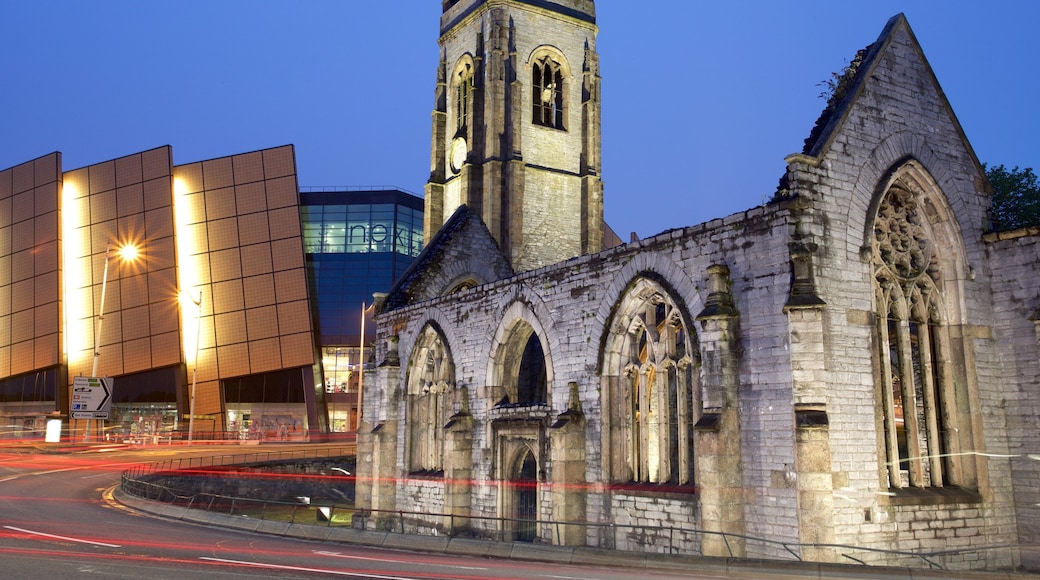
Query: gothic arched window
[
  {"x": 920, "y": 441},
  {"x": 653, "y": 399},
  {"x": 547, "y": 93},
  {"x": 431, "y": 378},
  {"x": 462, "y": 85}
]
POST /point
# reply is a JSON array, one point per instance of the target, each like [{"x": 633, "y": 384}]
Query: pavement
[{"x": 522, "y": 551}]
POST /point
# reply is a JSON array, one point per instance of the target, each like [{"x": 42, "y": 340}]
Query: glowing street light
[
  {"x": 195, "y": 371},
  {"x": 128, "y": 253}
]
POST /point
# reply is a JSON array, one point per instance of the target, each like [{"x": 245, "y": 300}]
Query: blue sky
[{"x": 701, "y": 100}]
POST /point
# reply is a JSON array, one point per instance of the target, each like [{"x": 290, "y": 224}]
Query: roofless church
[{"x": 848, "y": 372}]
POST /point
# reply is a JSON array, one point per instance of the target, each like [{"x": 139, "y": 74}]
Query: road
[{"x": 55, "y": 522}]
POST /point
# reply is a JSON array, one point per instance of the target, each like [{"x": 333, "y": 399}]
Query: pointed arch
[
  {"x": 461, "y": 106},
  {"x": 521, "y": 357},
  {"x": 550, "y": 79},
  {"x": 916, "y": 257},
  {"x": 430, "y": 383},
  {"x": 652, "y": 362}
]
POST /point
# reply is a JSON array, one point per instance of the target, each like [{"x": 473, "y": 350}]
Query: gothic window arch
[
  {"x": 924, "y": 431},
  {"x": 654, "y": 387},
  {"x": 462, "y": 96},
  {"x": 431, "y": 378},
  {"x": 521, "y": 366},
  {"x": 547, "y": 94}
]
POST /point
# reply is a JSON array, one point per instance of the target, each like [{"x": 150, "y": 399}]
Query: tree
[{"x": 1016, "y": 197}]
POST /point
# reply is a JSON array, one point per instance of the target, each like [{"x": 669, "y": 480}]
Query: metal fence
[{"x": 666, "y": 540}]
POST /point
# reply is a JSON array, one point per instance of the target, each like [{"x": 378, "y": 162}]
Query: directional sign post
[{"x": 91, "y": 397}]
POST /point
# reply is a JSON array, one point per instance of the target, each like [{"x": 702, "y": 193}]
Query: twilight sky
[{"x": 701, "y": 100}]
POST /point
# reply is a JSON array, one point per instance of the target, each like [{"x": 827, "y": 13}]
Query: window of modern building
[
  {"x": 144, "y": 404},
  {"x": 267, "y": 406}
]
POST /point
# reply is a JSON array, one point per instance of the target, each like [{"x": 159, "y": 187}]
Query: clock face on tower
[{"x": 457, "y": 154}]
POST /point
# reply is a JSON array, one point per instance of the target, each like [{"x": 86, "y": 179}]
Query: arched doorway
[{"x": 526, "y": 490}]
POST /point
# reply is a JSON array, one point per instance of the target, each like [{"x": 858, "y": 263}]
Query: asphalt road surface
[{"x": 56, "y": 521}]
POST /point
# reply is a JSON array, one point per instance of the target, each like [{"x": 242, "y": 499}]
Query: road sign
[{"x": 91, "y": 397}]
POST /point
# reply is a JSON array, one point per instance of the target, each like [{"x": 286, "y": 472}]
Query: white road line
[
  {"x": 65, "y": 538},
  {"x": 388, "y": 560},
  {"x": 302, "y": 569}
]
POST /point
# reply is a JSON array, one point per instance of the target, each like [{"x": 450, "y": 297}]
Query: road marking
[
  {"x": 65, "y": 538},
  {"x": 388, "y": 560},
  {"x": 303, "y": 569}
]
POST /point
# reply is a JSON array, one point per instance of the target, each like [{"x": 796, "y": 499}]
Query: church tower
[{"x": 516, "y": 126}]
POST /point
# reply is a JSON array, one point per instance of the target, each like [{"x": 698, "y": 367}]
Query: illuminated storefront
[{"x": 358, "y": 242}]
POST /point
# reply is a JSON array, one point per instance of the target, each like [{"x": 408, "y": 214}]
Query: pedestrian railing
[{"x": 148, "y": 482}]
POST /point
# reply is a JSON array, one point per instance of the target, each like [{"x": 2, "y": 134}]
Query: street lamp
[
  {"x": 128, "y": 253},
  {"x": 195, "y": 371}
]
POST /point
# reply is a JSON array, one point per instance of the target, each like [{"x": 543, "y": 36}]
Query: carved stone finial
[{"x": 720, "y": 299}]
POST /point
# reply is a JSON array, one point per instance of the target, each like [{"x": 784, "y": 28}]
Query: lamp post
[
  {"x": 361, "y": 365},
  {"x": 128, "y": 253},
  {"x": 195, "y": 371}
]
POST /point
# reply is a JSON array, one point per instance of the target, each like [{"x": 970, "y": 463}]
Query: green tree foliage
[{"x": 1016, "y": 197}]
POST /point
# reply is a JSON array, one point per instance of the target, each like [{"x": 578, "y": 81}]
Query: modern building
[
  {"x": 357, "y": 242},
  {"x": 216, "y": 323}
]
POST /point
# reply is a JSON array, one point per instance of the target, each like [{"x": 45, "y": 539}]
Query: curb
[{"x": 580, "y": 556}]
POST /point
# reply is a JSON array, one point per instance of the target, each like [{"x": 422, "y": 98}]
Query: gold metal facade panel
[
  {"x": 265, "y": 355},
  {"x": 227, "y": 296},
  {"x": 290, "y": 286},
  {"x": 22, "y": 327},
  {"x": 249, "y": 167},
  {"x": 282, "y": 192},
  {"x": 294, "y": 317},
  {"x": 261, "y": 323},
  {"x": 225, "y": 265},
  {"x": 256, "y": 260},
  {"x": 46, "y": 290},
  {"x": 166, "y": 348},
  {"x": 46, "y": 320},
  {"x": 288, "y": 255},
  {"x": 231, "y": 328},
  {"x": 232, "y": 256},
  {"x": 233, "y": 360},
  {"x": 128, "y": 170},
  {"x": 22, "y": 207},
  {"x": 217, "y": 174},
  {"x": 30, "y": 297},
  {"x": 158, "y": 224},
  {"x": 22, "y": 236},
  {"x": 164, "y": 317},
  {"x": 223, "y": 234},
  {"x": 112, "y": 204},
  {"x": 47, "y": 351},
  {"x": 297, "y": 350},
  {"x": 259, "y": 291},
  {"x": 285, "y": 223},
  {"x": 251, "y": 198},
  {"x": 220, "y": 203},
  {"x": 279, "y": 162},
  {"x": 137, "y": 355},
  {"x": 157, "y": 193},
  {"x": 130, "y": 200},
  {"x": 136, "y": 323},
  {"x": 23, "y": 355},
  {"x": 253, "y": 228}
]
